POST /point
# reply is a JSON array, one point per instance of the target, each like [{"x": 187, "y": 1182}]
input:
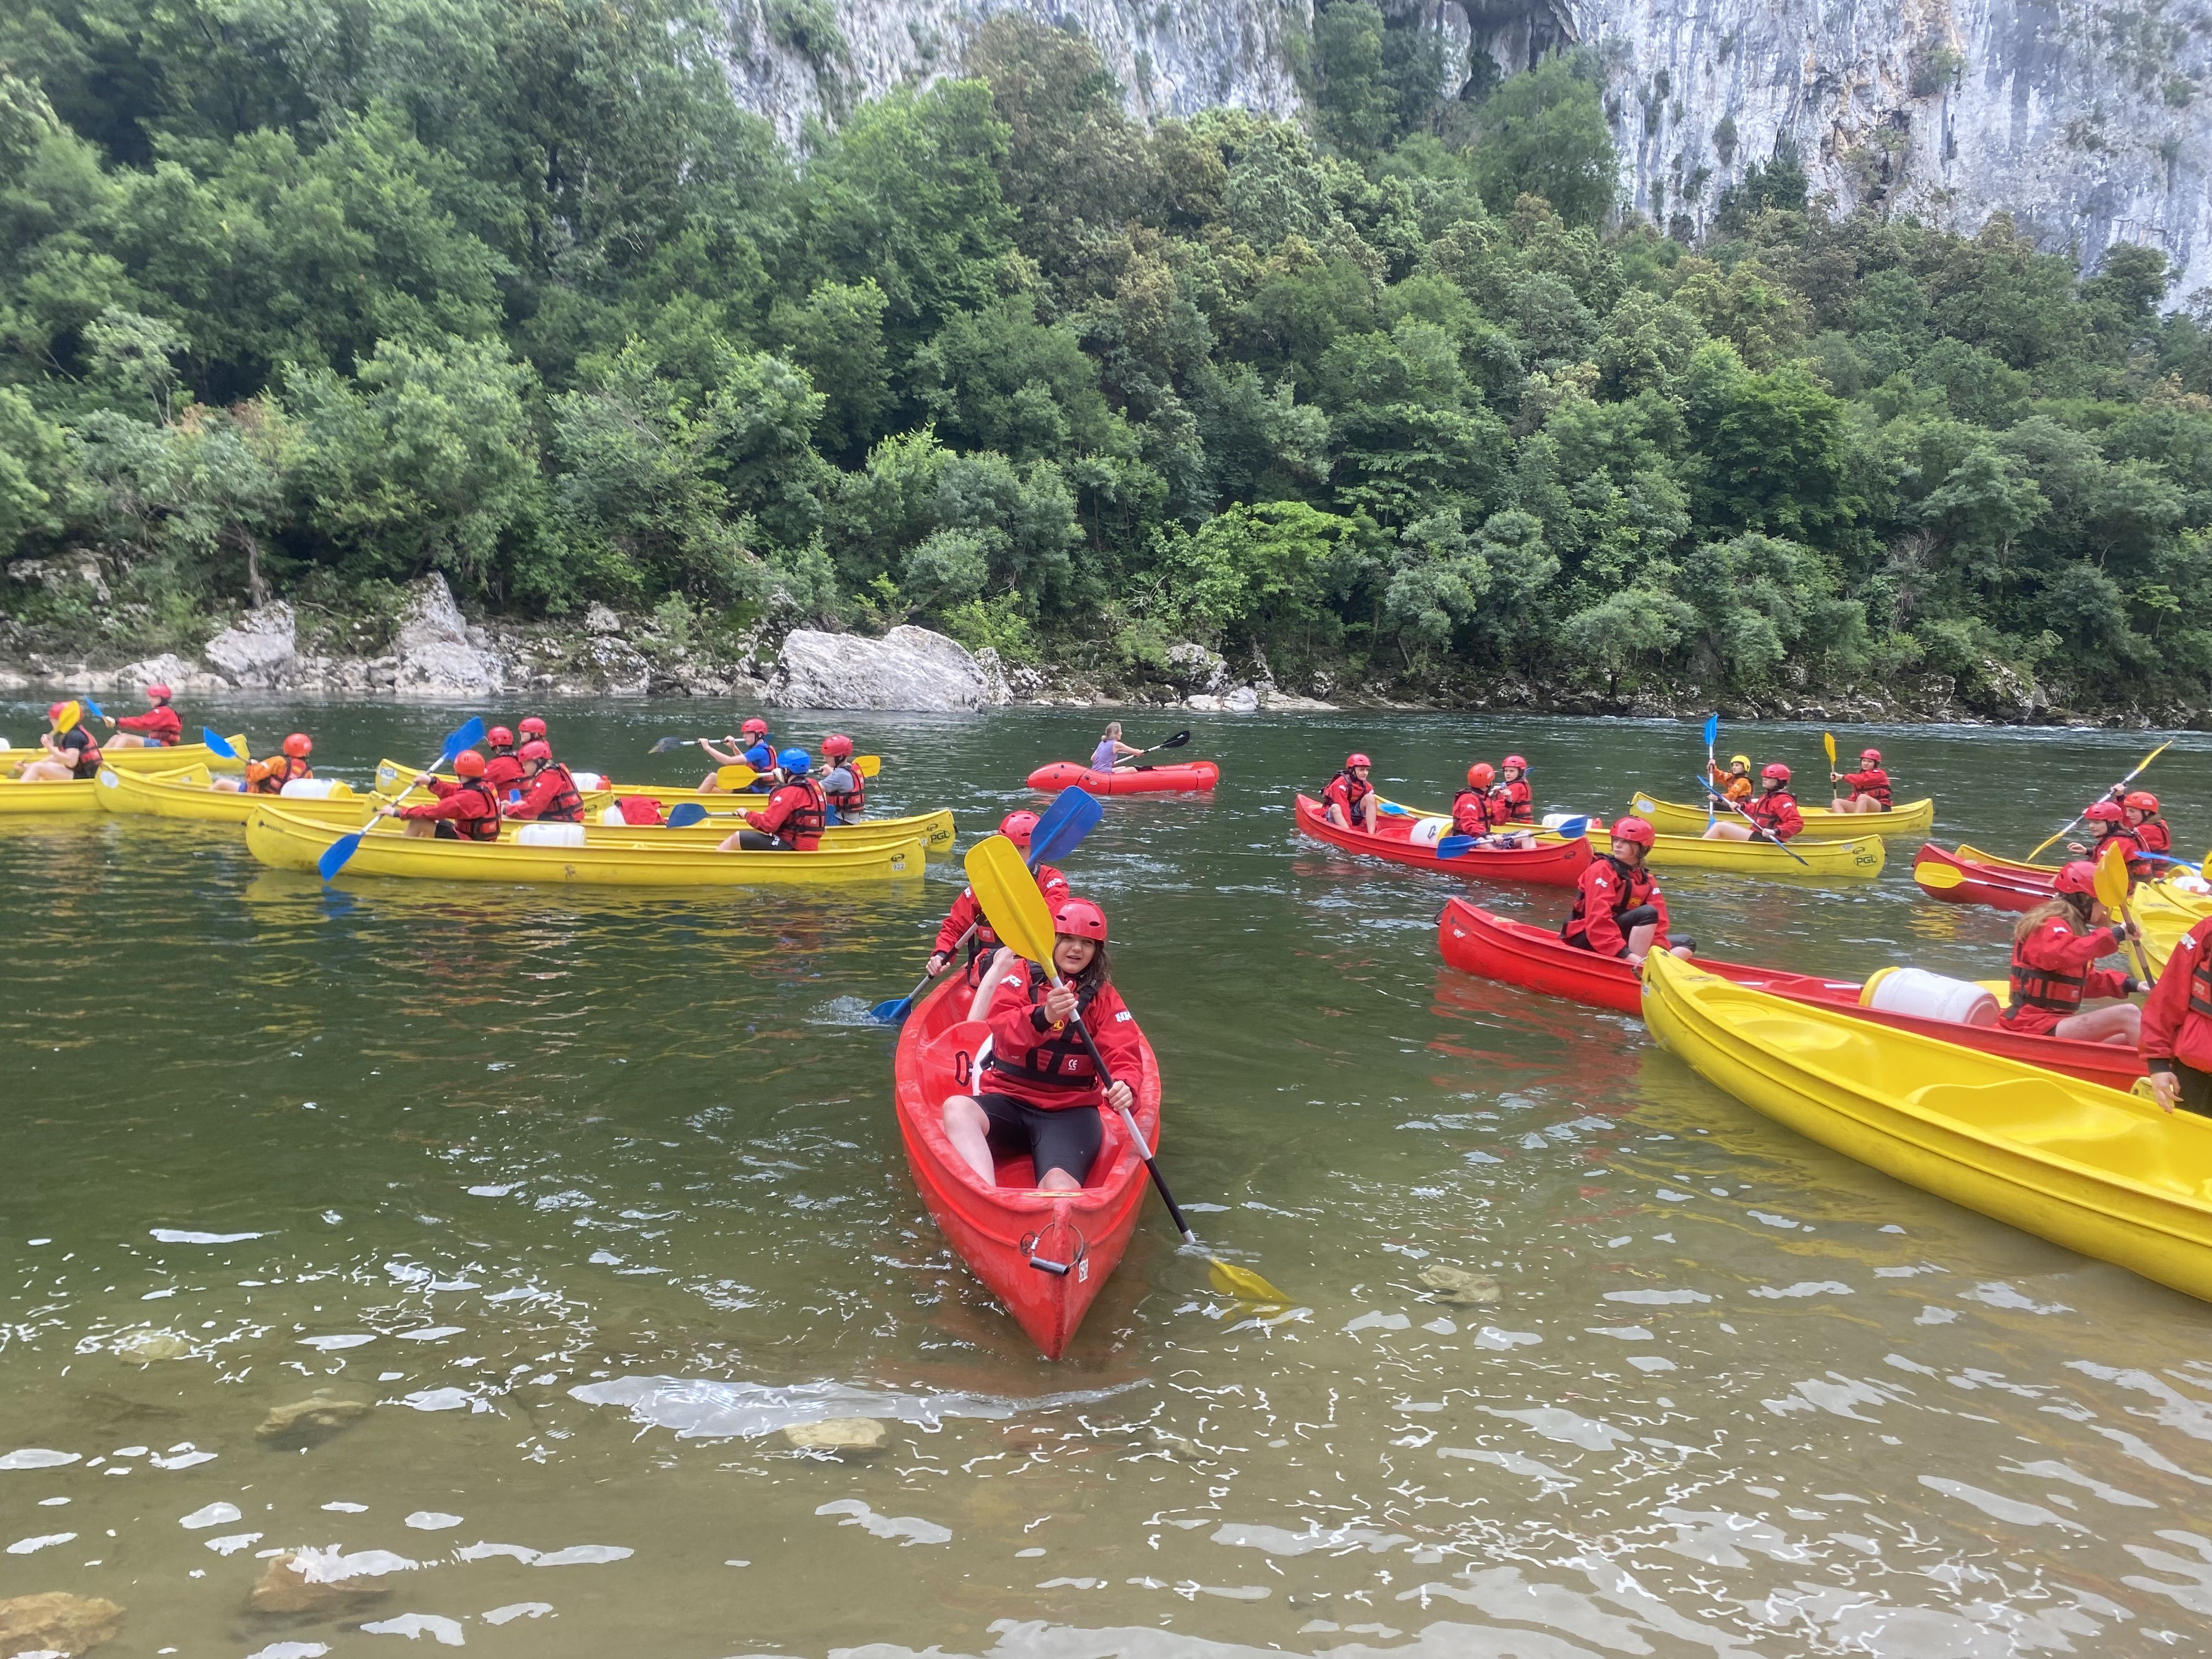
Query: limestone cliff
[{"x": 2090, "y": 120}]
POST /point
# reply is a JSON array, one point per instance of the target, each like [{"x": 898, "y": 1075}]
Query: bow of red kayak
[
  {"x": 1550, "y": 863},
  {"x": 1960, "y": 878},
  {"x": 1144, "y": 779},
  {"x": 1043, "y": 1255}
]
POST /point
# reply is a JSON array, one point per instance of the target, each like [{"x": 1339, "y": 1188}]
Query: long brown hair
[
  {"x": 2077, "y": 916},
  {"x": 1095, "y": 972}
]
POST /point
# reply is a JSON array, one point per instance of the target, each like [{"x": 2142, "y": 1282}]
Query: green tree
[{"x": 1543, "y": 133}]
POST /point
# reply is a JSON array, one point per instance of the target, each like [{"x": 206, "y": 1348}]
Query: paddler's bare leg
[
  {"x": 969, "y": 1132},
  {"x": 1726, "y": 830}
]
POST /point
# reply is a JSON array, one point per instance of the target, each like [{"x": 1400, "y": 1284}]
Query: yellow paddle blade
[
  {"x": 1937, "y": 875},
  {"x": 67, "y": 720},
  {"x": 868, "y": 765},
  {"x": 735, "y": 777},
  {"x": 2112, "y": 879},
  {"x": 1008, "y": 893},
  {"x": 1828, "y": 742},
  {"x": 1242, "y": 1283}
]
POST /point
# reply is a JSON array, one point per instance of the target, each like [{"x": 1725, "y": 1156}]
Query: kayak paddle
[
  {"x": 94, "y": 710},
  {"x": 685, "y": 813},
  {"x": 1060, "y": 831},
  {"x": 1175, "y": 742},
  {"x": 667, "y": 744},
  {"x": 2112, "y": 893},
  {"x": 1712, "y": 762},
  {"x": 66, "y": 720},
  {"x": 467, "y": 735},
  {"x": 217, "y": 744},
  {"x": 1758, "y": 829},
  {"x": 1007, "y": 892},
  {"x": 1452, "y": 847},
  {"x": 2122, "y": 784}
]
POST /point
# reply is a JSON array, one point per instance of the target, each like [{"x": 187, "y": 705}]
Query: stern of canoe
[
  {"x": 1476, "y": 942},
  {"x": 1550, "y": 863}
]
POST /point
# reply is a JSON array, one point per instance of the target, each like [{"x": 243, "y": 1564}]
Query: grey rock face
[
  {"x": 908, "y": 668},
  {"x": 261, "y": 651},
  {"x": 435, "y": 654}
]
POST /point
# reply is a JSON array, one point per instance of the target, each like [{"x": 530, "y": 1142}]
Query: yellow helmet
[{"x": 1744, "y": 761}]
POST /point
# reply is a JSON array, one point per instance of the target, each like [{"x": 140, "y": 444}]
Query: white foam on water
[
  {"x": 174, "y": 1236},
  {"x": 514, "y": 1610},
  {"x": 590, "y": 1555},
  {"x": 214, "y": 1515},
  {"x": 697, "y": 1409},
  {"x": 446, "y": 1632},
  {"x": 38, "y": 1457},
  {"x": 432, "y": 1520},
  {"x": 909, "y": 1529}
]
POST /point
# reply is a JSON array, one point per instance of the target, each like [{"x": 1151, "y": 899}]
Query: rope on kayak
[{"x": 1077, "y": 1259}]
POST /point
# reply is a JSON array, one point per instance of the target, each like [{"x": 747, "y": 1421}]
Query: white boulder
[
  {"x": 909, "y": 668},
  {"x": 435, "y": 654},
  {"x": 168, "y": 669},
  {"x": 261, "y": 651}
]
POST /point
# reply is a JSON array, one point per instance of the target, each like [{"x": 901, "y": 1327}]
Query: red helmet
[
  {"x": 1874, "y": 755},
  {"x": 1355, "y": 759},
  {"x": 500, "y": 738},
  {"x": 1776, "y": 772},
  {"x": 1016, "y": 827},
  {"x": 468, "y": 764},
  {"x": 1479, "y": 775},
  {"x": 536, "y": 750},
  {"x": 2141, "y": 800},
  {"x": 836, "y": 745},
  {"x": 54, "y": 710},
  {"x": 2105, "y": 812},
  {"x": 1518, "y": 762},
  {"x": 2080, "y": 876},
  {"x": 1634, "y": 830},
  {"x": 754, "y": 728},
  {"x": 158, "y": 693},
  {"x": 1081, "y": 919},
  {"x": 299, "y": 746},
  {"x": 532, "y": 726}
]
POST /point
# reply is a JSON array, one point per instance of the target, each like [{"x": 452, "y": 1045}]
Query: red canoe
[
  {"x": 1000, "y": 1232},
  {"x": 1146, "y": 780},
  {"x": 1552, "y": 864},
  {"x": 1493, "y": 947},
  {"x": 1967, "y": 877}
]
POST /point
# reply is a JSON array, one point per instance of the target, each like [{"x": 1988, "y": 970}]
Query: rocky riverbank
[{"x": 435, "y": 654}]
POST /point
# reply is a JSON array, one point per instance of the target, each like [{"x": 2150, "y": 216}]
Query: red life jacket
[
  {"x": 2044, "y": 988},
  {"x": 1766, "y": 810},
  {"x": 87, "y": 758},
  {"x": 485, "y": 825},
  {"x": 1515, "y": 803},
  {"x": 279, "y": 770},
  {"x": 566, "y": 805},
  {"x": 804, "y": 823},
  {"x": 1355, "y": 791},
  {"x": 1476, "y": 803},
  {"x": 502, "y": 771},
  {"x": 1874, "y": 782},
  {"x": 1061, "y": 1060},
  {"x": 1635, "y": 889},
  {"x": 849, "y": 803},
  {"x": 2154, "y": 835}
]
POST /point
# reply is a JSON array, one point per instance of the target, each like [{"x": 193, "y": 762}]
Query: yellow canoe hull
[
  {"x": 935, "y": 828},
  {"x": 2095, "y": 1171},
  {"x": 285, "y": 841},
  {"x": 1911, "y": 817},
  {"x": 1823, "y": 860},
  {"x": 189, "y": 793},
  {"x": 73, "y": 797},
  {"x": 172, "y": 760}
]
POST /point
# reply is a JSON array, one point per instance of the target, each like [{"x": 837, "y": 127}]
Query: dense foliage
[{"x": 310, "y": 296}]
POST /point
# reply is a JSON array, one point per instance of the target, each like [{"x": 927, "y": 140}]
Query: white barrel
[
  {"x": 550, "y": 835},
  {"x": 1932, "y": 996},
  {"x": 611, "y": 814},
  {"x": 1427, "y": 832},
  {"x": 316, "y": 789},
  {"x": 588, "y": 781}
]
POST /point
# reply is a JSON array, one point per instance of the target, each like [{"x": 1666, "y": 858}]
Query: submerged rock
[
  {"x": 53, "y": 1622},
  {"x": 1459, "y": 1287},
  {"x": 147, "y": 1346},
  {"x": 310, "y": 1422},
  {"x": 287, "y": 1587},
  {"x": 847, "y": 1437}
]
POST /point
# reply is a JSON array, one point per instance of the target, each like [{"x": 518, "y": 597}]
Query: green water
[{"x": 524, "y": 1151}]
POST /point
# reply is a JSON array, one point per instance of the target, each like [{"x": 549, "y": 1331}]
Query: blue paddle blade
[
  {"x": 335, "y": 855},
  {"x": 217, "y": 743},
  {"x": 1390, "y": 809},
  {"x": 1573, "y": 829},
  {"x": 1072, "y": 815},
  {"x": 893, "y": 1013},
  {"x": 1712, "y": 728},
  {"x": 467, "y": 735},
  {"x": 684, "y": 814},
  {"x": 1452, "y": 847},
  {"x": 93, "y": 708}
]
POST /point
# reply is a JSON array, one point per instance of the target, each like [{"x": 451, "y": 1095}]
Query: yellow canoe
[
  {"x": 286, "y": 841},
  {"x": 189, "y": 793},
  {"x": 170, "y": 760},
  {"x": 1911, "y": 817},
  {"x": 934, "y": 828},
  {"x": 77, "y": 796},
  {"x": 2103, "y": 1173},
  {"x": 1822, "y": 859}
]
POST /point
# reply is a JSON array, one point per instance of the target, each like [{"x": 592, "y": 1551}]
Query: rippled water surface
[{"x": 589, "y": 1196}]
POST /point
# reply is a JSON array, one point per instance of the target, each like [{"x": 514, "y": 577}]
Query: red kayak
[
  {"x": 1967, "y": 877},
  {"x": 1140, "y": 779},
  {"x": 1043, "y": 1255},
  {"x": 1493, "y": 947},
  {"x": 1554, "y": 864}
]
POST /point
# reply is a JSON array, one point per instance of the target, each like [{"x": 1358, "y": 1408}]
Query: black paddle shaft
[{"x": 1159, "y": 1181}]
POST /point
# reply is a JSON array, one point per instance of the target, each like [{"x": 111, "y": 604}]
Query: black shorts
[
  {"x": 753, "y": 841},
  {"x": 442, "y": 830},
  {"x": 1066, "y": 1138}
]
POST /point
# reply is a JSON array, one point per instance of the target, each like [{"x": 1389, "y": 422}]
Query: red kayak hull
[
  {"x": 1494, "y": 947},
  {"x": 1554, "y": 864},
  {"x": 994, "y": 1231},
  {"x": 1164, "y": 779},
  {"x": 1943, "y": 874}
]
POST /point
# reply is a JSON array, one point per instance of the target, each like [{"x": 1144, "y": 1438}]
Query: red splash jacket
[
  {"x": 160, "y": 726},
  {"x": 795, "y": 815},
  {"x": 2177, "y": 1019},
  {"x": 1875, "y": 783},
  {"x": 966, "y": 913},
  {"x": 1045, "y": 1065},
  {"x": 1471, "y": 813},
  {"x": 2051, "y": 975},
  {"x": 550, "y": 797},
  {"x": 472, "y": 808},
  {"x": 1776, "y": 813},
  {"x": 1608, "y": 888},
  {"x": 1512, "y": 803}
]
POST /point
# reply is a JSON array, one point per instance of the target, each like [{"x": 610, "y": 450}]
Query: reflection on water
[{"x": 488, "y": 1252}]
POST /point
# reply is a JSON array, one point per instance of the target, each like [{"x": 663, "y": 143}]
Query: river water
[{"x": 588, "y": 1194}]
